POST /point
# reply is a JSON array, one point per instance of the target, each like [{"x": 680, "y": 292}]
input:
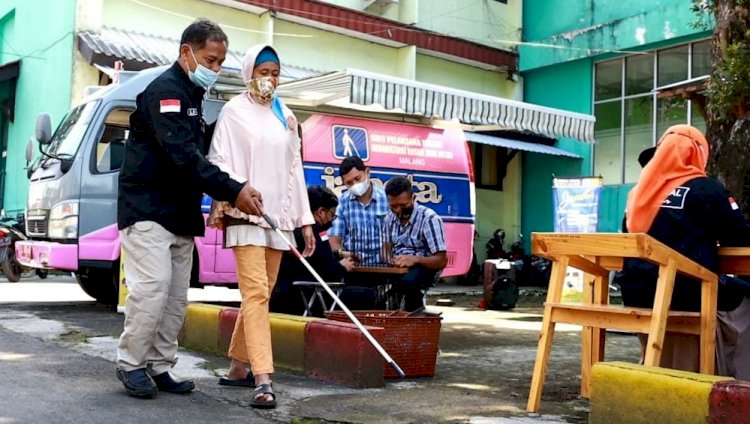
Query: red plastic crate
[{"x": 412, "y": 341}]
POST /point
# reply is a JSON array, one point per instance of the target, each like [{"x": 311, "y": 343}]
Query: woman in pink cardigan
[{"x": 256, "y": 140}]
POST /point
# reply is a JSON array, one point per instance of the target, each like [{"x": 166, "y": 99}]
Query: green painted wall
[
  {"x": 40, "y": 33},
  {"x": 580, "y": 28},
  {"x": 567, "y": 87},
  {"x": 582, "y": 32}
]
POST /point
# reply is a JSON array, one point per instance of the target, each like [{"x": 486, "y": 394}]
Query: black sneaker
[
  {"x": 137, "y": 383},
  {"x": 166, "y": 383}
]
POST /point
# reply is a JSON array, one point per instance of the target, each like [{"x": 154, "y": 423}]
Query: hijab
[
  {"x": 257, "y": 55},
  {"x": 680, "y": 156}
]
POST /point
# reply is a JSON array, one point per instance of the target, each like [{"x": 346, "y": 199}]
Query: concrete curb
[
  {"x": 634, "y": 394},
  {"x": 296, "y": 344}
]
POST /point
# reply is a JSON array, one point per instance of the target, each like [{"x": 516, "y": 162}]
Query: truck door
[{"x": 98, "y": 233}]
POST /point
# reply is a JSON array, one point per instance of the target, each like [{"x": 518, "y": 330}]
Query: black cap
[{"x": 646, "y": 156}]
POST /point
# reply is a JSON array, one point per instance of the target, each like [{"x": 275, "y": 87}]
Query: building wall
[
  {"x": 584, "y": 32},
  {"x": 488, "y": 22},
  {"x": 40, "y": 33},
  {"x": 322, "y": 50}
]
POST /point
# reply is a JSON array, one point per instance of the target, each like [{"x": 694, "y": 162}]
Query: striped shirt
[
  {"x": 361, "y": 226},
  {"x": 423, "y": 235}
]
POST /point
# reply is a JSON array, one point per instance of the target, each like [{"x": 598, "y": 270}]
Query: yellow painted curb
[
  {"x": 201, "y": 328},
  {"x": 288, "y": 340},
  {"x": 633, "y": 394}
]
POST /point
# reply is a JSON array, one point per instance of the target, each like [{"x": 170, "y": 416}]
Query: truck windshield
[{"x": 68, "y": 136}]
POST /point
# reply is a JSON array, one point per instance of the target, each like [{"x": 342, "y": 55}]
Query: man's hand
[
  {"x": 405, "y": 261},
  {"x": 307, "y": 234},
  {"x": 347, "y": 263},
  {"x": 249, "y": 201}
]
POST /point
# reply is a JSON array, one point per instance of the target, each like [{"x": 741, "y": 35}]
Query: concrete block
[
  {"x": 227, "y": 320},
  {"x": 730, "y": 403},
  {"x": 201, "y": 327},
  {"x": 288, "y": 340},
  {"x": 337, "y": 352},
  {"x": 633, "y": 394}
]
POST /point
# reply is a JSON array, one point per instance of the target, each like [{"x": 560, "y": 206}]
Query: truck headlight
[{"x": 63, "y": 221}]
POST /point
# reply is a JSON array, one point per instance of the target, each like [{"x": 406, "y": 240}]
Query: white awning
[
  {"x": 518, "y": 145},
  {"x": 357, "y": 87}
]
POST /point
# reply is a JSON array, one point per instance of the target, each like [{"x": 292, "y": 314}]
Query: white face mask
[{"x": 360, "y": 188}]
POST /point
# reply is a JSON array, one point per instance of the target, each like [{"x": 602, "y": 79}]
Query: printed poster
[{"x": 576, "y": 208}]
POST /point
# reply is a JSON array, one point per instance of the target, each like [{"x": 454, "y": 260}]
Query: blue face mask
[{"x": 202, "y": 77}]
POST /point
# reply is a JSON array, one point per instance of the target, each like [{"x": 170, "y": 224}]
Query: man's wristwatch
[{"x": 338, "y": 254}]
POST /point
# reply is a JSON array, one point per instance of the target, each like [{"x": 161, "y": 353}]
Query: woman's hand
[{"x": 307, "y": 234}]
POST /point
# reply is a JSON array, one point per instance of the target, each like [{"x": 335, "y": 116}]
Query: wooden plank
[
  {"x": 709, "y": 297},
  {"x": 621, "y": 310},
  {"x": 664, "y": 287},
  {"x": 554, "y": 293},
  {"x": 587, "y": 266},
  {"x": 734, "y": 260},
  {"x": 612, "y": 263},
  {"x": 589, "y": 244},
  {"x": 635, "y": 323}
]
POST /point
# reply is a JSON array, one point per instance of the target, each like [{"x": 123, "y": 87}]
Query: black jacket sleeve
[
  {"x": 725, "y": 214},
  {"x": 174, "y": 132}
]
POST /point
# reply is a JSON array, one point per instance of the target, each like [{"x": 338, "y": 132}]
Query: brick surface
[
  {"x": 337, "y": 352},
  {"x": 730, "y": 403},
  {"x": 200, "y": 330},
  {"x": 288, "y": 340},
  {"x": 633, "y": 394},
  {"x": 227, "y": 319}
]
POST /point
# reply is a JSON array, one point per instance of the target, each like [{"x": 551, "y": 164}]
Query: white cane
[{"x": 346, "y": 310}]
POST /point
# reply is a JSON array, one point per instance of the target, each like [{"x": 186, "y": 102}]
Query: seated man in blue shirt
[
  {"x": 416, "y": 239},
  {"x": 361, "y": 211}
]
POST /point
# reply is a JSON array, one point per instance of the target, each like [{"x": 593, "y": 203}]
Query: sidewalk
[{"x": 483, "y": 375}]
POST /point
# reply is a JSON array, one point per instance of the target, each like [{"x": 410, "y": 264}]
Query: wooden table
[
  {"x": 391, "y": 270},
  {"x": 596, "y": 254},
  {"x": 734, "y": 260}
]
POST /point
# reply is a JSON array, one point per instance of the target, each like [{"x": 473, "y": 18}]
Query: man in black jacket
[
  {"x": 162, "y": 181},
  {"x": 285, "y": 298}
]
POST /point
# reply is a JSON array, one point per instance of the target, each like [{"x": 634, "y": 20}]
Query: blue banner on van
[
  {"x": 576, "y": 204},
  {"x": 446, "y": 194}
]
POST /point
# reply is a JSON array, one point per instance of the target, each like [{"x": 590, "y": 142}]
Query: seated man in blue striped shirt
[{"x": 416, "y": 239}]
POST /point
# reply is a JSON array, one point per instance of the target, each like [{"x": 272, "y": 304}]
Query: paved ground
[{"x": 483, "y": 369}]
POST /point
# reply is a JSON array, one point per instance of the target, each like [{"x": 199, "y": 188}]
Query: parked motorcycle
[
  {"x": 531, "y": 270},
  {"x": 12, "y": 230}
]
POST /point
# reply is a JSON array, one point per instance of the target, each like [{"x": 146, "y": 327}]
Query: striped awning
[
  {"x": 353, "y": 86},
  {"x": 518, "y": 145}
]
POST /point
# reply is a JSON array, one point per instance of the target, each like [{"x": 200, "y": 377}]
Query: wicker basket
[{"x": 412, "y": 341}]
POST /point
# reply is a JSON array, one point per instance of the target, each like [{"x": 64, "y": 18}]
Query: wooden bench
[{"x": 596, "y": 255}]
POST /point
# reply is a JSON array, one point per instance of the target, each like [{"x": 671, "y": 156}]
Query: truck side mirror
[
  {"x": 29, "y": 151},
  {"x": 43, "y": 128}
]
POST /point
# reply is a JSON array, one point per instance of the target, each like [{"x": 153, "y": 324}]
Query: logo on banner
[{"x": 350, "y": 141}]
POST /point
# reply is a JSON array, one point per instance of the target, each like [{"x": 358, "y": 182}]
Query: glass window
[
  {"x": 701, "y": 59},
  {"x": 110, "y": 149},
  {"x": 607, "y": 154},
  {"x": 670, "y": 111},
  {"x": 672, "y": 65},
  {"x": 608, "y": 79},
  {"x": 639, "y": 133},
  {"x": 69, "y": 134},
  {"x": 639, "y": 74},
  {"x": 696, "y": 118}
]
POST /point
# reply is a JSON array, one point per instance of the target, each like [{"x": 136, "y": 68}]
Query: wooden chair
[{"x": 596, "y": 255}]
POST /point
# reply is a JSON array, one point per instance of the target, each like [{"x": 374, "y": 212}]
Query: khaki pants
[
  {"x": 257, "y": 268},
  {"x": 157, "y": 273}
]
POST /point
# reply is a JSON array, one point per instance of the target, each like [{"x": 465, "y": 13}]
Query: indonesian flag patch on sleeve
[
  {"x": 733, "y": 204},
  {"x": 323, "y": 235},
  {"x": 169, "y": 106}
]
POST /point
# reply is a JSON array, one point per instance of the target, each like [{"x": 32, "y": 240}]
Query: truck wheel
[
  {"x": 42, "y": 273},
  {"x": 101, "y": 284},
  {"x": 10, "y": 267}
]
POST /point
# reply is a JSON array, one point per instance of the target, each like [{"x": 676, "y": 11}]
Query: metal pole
[{"x": 336, "y": 299}]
